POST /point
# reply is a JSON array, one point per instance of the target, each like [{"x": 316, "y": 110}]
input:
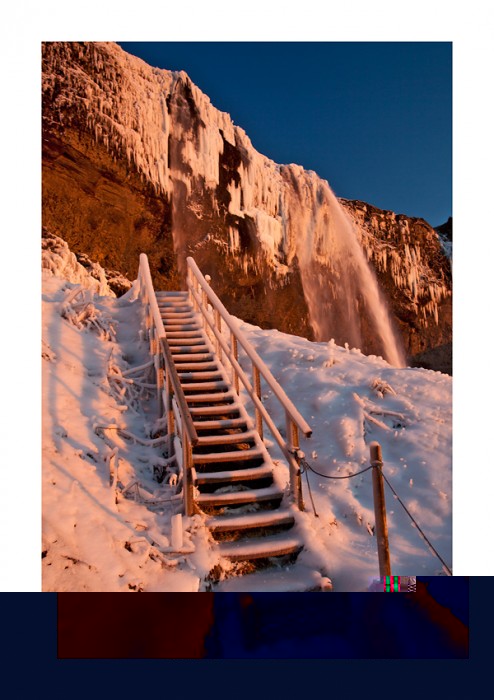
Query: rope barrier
[
  {"x": 306, "y": 467},
  {"x": 418, "y": 526}
]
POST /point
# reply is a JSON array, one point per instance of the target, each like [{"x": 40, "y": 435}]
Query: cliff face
[{"x": 136, "y": 159}]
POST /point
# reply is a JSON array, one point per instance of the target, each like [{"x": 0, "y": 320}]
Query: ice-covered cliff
[{"x": 137, "y": 158}]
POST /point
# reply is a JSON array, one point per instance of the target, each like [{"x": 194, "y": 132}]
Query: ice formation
[{"x": 170, "y": 132}]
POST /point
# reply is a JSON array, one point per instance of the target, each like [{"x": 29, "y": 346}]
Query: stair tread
[
  {"x": 183, "y": 349},
  {"x": 237, "y": 456},
  {"x": 174, "y": 342},
  {"x": 204, "y": 386},
  {"x": 195, "y": 357},
  {"x": 228, "y": 438},
  {"x": 192, "y": 376},
  {"x": 261, "y": 472},
  {"x": 293, "y": 579},
  {"x": 247, "y": 496},
  {"x": 218, "y": 397},
  {"x": 184, "y": 334},
  {"x": 263, "y": 518},
  {"x": 224, "y": 424},
  {"x": 257, "y": 548},
  {"x": 218, "y": 410},
  {"x": 187, "y": 366}
]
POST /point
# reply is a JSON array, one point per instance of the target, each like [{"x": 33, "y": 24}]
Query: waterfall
[{"x": 340, "y": 288}]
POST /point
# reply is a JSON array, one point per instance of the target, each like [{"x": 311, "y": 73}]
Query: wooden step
[
  {"x": 260, "y": 548},
  {"x": 228, "y": 438},
  {"x": 218, "y": 410},
  {"x": 188, "y": 349},
  {"x": 247, "y": 521},
  {"x": 172, "y": 295},
  {"x": 218, "y": 386},
  {"x": 236, "y": 456},
  {"x": 187, "y": 366},
  {"x": 225, "y": 424},
  {"x": 175, "y": 328},
  {"x": 199, "y": 376},
  {"x": 269, "y": 493},
  {"x": 177, "y": 315},
  {"x": 193, "y": 357},
  {"x": 218, "y": 398},
  {"x": 264, "y": 471},
  {"x": 183, "y": 342},
  {"x": 295, "y": 578},
  {"x": 183, "y": 334}
]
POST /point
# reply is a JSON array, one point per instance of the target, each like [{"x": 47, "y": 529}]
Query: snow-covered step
[
  {"x": 179, "y": 327},
  {"x": 235, "y": 456},
  {"x": 178, "y": 304},
  {"x": 211, "y": 398},
  {"x": 175, "y": 316},
  {"x": 292, "y": 579},
  {"x": 199, "y": 376},
  {"x": 218, "y": 410},
  {"x": 225, "y": 424},
  {"x": 194, "y": 357},
  {"x": 183, "y": 334},
  {"x": 172, "y": 295},
  {"x": 270, "y": 493},
  {"x": 264, "y": 471},
  {"x": 187, "y": 366},
  {"x": 204, "y": 386},
  {"x": 228, "y": 438},
  {"x": 247, "y": 521},
  {"x": 260, "y": 548},
  {"x": 182, "y": 342},
  {"x": 188, "y": 350}
]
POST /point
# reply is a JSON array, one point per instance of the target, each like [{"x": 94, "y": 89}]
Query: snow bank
[{"x": 106, "y": 520}]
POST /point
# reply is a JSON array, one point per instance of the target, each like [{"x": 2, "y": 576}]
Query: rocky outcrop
[{"x": 136, "y": 159}]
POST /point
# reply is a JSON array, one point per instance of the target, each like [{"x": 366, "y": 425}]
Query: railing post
[
  {"x": 188, "y": 486},
  {"x": 217, "y": 322},
  {"x": 170, "y": 418},
  {"x": 256, "y": 382},
  {"x": 292, "y": 437},
  {"x": 205, "y": 304},
  {"x": 380, "y": 509},
  {"x": 234, "y": 347},
  {"x": 159, "y": 376}
]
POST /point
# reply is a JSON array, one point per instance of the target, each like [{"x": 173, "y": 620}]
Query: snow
[
  {"x": 107, "y": 524},
  {"x": 168, "y": 129}
]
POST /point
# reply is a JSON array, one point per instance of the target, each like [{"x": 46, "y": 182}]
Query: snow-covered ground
[{"x": 98, "y": 536}]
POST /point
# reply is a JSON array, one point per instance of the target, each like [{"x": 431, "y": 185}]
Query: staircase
[{"x": 228, "y": 475}]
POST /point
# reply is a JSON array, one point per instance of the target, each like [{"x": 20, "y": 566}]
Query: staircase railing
[
  {"x": 182, "y": 435},
  {"x": 214, "y": 314}
]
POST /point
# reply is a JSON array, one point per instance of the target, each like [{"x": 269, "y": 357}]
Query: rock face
[{"x": 136, "y": 159}]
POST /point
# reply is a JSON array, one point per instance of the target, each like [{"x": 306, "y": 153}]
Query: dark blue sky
[{"x": 374, "y": 119}]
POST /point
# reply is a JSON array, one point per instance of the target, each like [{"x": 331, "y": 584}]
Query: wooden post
[
  {"x": 170, "y": 418},
  {"x": 217, "y": 322},
  {"x": 234, "y": 346},
  {"x": 295, "y": 475},
  {"x": 380, "y": 509},
  {"x": 205, "y": 304},
  {"x": 188, "y": 486},
  {"x": 256, "y": 381}
]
